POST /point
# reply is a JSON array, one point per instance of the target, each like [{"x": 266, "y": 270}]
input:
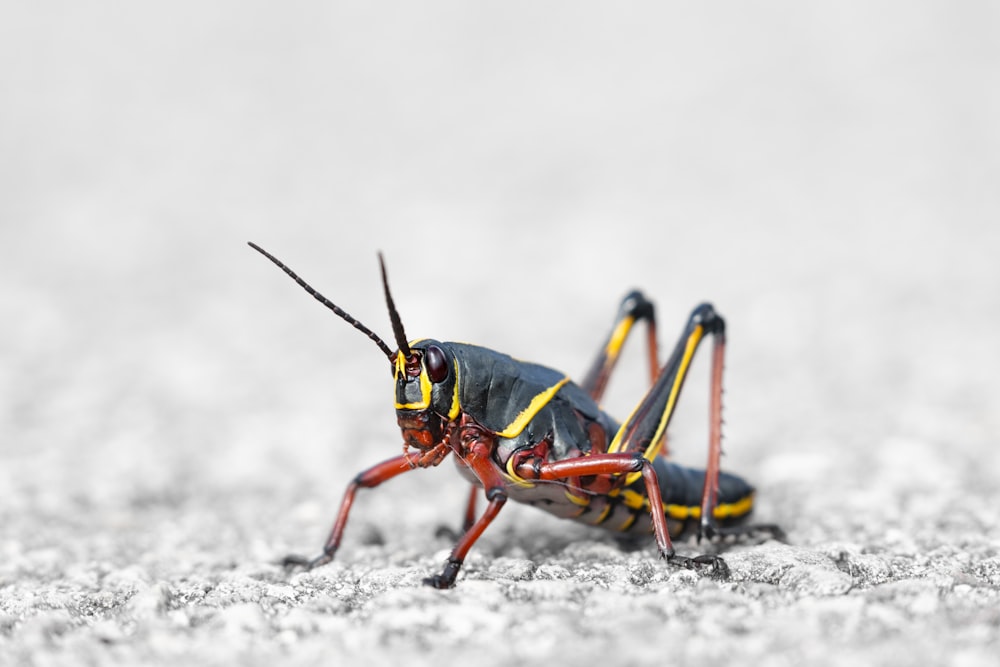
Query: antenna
[
  {"x": 397, "y": 323},
  {"x": 340, "y": 312}
]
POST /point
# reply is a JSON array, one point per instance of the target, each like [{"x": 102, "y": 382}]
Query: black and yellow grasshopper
[{"x": 528, "y": 433}]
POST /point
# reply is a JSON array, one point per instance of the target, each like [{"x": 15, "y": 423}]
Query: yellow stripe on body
[
  {"x": 526, "y": 415},
  {"x": 633, "y": 499},
  {"x": 577, "y": 500},
  {"x": 514, "y": 477},
  {"x": 732, "y": 510},
  {"x": 425, "y": 387},
  {"x": 456, "y": 407},
  {"x": 723, "y": 511},
  {"x": 520, "y": 421},
  {"x": 604, "y": 514}
]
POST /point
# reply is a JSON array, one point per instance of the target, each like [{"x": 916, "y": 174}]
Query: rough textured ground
[{"x": 175, "y": 415}]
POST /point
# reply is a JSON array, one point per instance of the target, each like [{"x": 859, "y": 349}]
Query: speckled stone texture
[{"x": 176, "y": 416}]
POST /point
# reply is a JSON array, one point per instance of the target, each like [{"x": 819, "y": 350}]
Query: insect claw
[
  {"x": 720, "y": 569},
  {"x": 438, "y": 582},
  {"x": 294, "y": 561},
  {"x": 447, "y": 577}
]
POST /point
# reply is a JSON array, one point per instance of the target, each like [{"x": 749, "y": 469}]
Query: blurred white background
[{"x": 827, "y": 175}]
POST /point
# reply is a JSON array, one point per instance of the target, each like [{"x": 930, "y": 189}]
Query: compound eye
[{"x": 436, "y": 363}]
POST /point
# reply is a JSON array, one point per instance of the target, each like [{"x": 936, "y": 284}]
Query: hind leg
[{"x": 634, "y": 307}]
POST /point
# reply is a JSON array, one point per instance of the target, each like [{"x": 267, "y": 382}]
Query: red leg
[
  {"x": 447, "y": 577},
  {"x": 634, "y": 307},
  {"x": 470, "y": 508},
  {"x": 623, "y": 464},
  {"x": 374, "y": 476},
  {"x": 710, "y": 493},
  {"x": 654, "y": 369},
  {"x": 477, "y": 446},
  {"x": 646, "y": 428},
  {"x": 654, "y": 349}
]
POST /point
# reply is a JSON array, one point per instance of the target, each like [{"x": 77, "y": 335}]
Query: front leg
[
  {"x": 374, "y": 476},
  {"x": 446, "y": 579},
  {"x": 473, "y": 445}
]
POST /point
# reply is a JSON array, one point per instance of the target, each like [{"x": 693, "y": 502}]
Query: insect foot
[
  {"x": 294, "y": 562},
  {"x": 447, "y": 577},
  {"x": 717, "y": 567}
]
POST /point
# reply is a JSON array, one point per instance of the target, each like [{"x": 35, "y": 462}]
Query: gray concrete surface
[{"x": 175, "y": 415}]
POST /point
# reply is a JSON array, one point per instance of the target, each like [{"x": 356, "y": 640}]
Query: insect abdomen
[{"x": 683, "y": 487}]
